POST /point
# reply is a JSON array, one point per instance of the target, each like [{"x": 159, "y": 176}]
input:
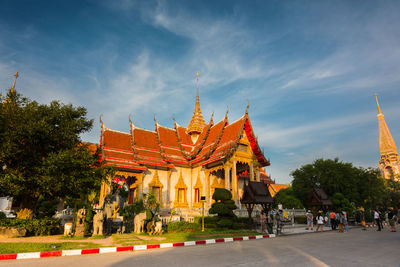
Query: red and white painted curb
[{"x": 59, "y": 253}]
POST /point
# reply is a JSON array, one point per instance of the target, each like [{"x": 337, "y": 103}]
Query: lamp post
[{"x": 203, "y": 200}]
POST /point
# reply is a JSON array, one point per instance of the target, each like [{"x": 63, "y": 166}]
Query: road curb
[{"x": 61, "y": 253}]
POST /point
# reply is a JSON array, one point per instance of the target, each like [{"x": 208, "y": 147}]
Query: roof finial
[
  {"x": 377, "y": 103},
  {"x": 100, "y": 119},
  {"x": 13, "y": 87},
  {"x": 197, "y": 95},
  {"x": 173, "y": 117},
  {"x": 197, "y": 123},
  {"x": 129, "y": 118}
]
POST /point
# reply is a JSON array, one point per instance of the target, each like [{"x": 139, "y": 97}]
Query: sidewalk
[{"x": 298, "y": 229}]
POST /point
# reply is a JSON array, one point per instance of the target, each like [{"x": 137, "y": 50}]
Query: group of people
[
  {"x": 387, "y": 218},
  {"x": 329, "y": 219},
  {"x": 272, "y": 220},
  {"x": 339, "y": 220}
]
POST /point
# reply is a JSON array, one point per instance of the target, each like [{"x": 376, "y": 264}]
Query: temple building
[
  {"x": 181, "y": 164},
  {"x": 389, "y": 162}
]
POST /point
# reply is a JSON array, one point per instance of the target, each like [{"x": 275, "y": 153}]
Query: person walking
[
  {"x": 377, "y": 220},
  {"x": 332, "y": 216},
  {"x": 320, "y": 221},
  {"x": 392, "y": 220},
  {"x": 362, "y": 219},
  {"x": 327, "y": 219},
  {"x": 339, "y": 219},
  {"x": 262, "y": 222},
  {"x": 345, "y": 221},
  {"x": 310, "y": 218}
]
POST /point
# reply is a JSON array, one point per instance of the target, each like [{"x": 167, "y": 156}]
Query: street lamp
[{"x": 203, "y": 200}]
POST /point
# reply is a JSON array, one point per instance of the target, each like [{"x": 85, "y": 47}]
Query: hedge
[
  {"x": 183, "y": 227},
  {"x": 34, "y": 227}
]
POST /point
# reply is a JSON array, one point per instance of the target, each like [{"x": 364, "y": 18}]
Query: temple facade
[
  {"x": 181, "y": 164},
  {"x": 389, "y": 162}
]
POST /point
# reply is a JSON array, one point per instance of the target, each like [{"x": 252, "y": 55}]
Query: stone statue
[
  {"x": 139, "y": 222},
  {"x": 80, "y": 222},
  {"x": 154, "y": 228},
  {"x": 68, "y": 229},
  {"x": 98, "y": 220},
  {"x": 108, "y": 213}
]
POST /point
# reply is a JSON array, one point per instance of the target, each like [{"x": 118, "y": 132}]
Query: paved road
[{"x": 356, "y": 248}]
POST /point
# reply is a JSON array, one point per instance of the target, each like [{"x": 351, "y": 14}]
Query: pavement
[{"x": 330, "y": 248}]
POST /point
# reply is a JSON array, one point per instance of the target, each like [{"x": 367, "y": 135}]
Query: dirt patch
[
  {"x": 143, "y": 237},
  {"x": 222, "y": 234}
]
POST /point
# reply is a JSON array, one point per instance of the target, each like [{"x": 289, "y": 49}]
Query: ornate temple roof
[{"x": 166, "y": 147}]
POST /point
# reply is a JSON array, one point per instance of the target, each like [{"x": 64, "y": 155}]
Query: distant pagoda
[{"x": 389, "y": 162}]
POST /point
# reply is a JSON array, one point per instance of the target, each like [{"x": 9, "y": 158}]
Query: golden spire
[
  {"x": 389, "y": 163},
  {"x": 377, "y": 103},
  {"x": 197, "y": 122},
  {"x": 13, "y": 87},
  {"x": 386, "y": 142}
]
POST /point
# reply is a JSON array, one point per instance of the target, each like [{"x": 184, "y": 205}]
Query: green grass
[
  {"x": 131, "y": 239},
  {"x": 8, "y": 248},
  {"x": 122, "y": 240}
]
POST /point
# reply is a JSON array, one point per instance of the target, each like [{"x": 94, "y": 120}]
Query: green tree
[
  {"x": 340, "y": 203},
  {"x": 364, "y": 187},
  {"x": 223, "y": 205},
  {"x": 41, "y": 152},
  {"x": 392, "y": 196},
  {"x": 287, "y": 199}
]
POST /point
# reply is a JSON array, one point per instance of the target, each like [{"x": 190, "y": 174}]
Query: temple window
[
  {"x": 157, "y": 192},
  {"x": 180, "y": 193},
  {"x": 197, "y": 188},
  {"x": 131, "y": 195},
  {"x": 155, "y": 187},
  {"x": 196, "y": 195}
]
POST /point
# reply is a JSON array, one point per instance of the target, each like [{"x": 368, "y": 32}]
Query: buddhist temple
[
  {"x": 181, "y": 164},
  {"x": 389, "y": 162}
]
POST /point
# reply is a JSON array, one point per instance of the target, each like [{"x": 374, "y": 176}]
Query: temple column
[
  {"x": 208, "y": 192},
  {"x": 227, "y": 171},
  {"x": 258, "y": 174},
  {"x": 168, "y": 202},
  {"x": 251, "y": 171},
  {"x": 235, "y": 182}
]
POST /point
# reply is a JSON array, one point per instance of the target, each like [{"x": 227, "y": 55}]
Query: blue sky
[{"x": 308, "y": 68}]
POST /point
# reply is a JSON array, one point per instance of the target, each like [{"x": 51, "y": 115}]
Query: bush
[
  {"x": 301, "y": 219},
  {"x": 209, "y": 221},
  {"x": 2, "y": 215},
  {"x": 24, "y": 214},
  {"x": 225, "y": 223},
  {"x": 88, "y": 222},
  {"x": 128, "y": 212},
  {"x": 183, "y": 227},
  {"x": 224, "y": 205},
  {"x": 46, "y": 207},
  {"x": 35, "y": 226}
]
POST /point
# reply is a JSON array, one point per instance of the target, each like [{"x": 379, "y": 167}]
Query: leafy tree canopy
[
  {"x": 287, "y": 198},
  {"x": 363, "y": 187},
  {"x": 41, "y": 152}
]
